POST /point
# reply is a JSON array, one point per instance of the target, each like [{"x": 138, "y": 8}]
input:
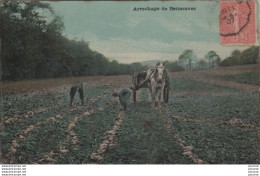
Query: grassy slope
[{"x": 217, "y": 143}]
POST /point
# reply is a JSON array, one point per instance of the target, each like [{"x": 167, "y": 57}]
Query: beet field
[{"x": 212, "y": 118}]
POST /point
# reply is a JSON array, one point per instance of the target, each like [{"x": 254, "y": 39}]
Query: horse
[
  {"x": 157, "y": 80},
  {"x": 137, "y": 78}
]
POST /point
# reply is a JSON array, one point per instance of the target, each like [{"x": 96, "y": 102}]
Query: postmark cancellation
[{"x": 238, "y": 23}]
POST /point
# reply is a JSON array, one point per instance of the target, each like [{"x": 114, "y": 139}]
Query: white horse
[{"x": 158, "y": 83}]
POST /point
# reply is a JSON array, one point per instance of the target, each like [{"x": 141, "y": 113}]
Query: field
[{"x": 212, "y": 118}]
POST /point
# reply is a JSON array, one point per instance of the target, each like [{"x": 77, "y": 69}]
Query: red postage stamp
[{"x": 238, "y": 23}]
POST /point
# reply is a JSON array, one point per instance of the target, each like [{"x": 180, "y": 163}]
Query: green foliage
[
  {"x": 213, "y": 58},
  {"x": 137, "y": 67},
  {"x": 248, "y": 56},
  {"x": 236, "y": 54},
  {"x": 21, "y": 33},
  {"x": 187, "y": 57},
  {"x": 202, "y": 64},
  {"x": 173, "y": 66},
  {"x": 33, "y": 46},
  {"x": 229, "y": 61}
]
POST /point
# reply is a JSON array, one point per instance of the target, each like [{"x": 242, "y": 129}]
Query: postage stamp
[{"x": 237, "y": 23}]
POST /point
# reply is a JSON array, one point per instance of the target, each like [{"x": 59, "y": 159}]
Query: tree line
[
  {"x": 33, "y": 46},
  {"x": 189, "y": 61},
  {"x": 248, "y": 56}
]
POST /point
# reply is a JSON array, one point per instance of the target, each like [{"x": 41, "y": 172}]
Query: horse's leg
[
  {"x": 162, "y": 93},
  {"x": 153, "y": 93},
  {"x": 140, "y": 84},
  {"x": 153, "y": 97},
  {"x": 159, "y": 96},
  {"x": 150, "y": 89},
  {"x": 134, "y": 95},
  {"x": 166, "y": 94}
]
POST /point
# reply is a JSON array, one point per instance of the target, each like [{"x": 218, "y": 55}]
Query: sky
[{"x": 118, "y": 32}]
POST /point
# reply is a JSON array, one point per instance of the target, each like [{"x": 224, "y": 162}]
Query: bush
[
  {"x": 173, "y": 66},
  {"x": 248, "y": 56}
]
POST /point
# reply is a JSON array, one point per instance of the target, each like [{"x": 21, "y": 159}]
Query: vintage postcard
[{"x": 129, "y": 82}]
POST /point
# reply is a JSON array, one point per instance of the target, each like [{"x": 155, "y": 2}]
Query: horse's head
[{"x": 160, "y": 72}]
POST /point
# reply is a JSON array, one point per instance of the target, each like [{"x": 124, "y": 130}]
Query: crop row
[
  {"x": 21, "y": 139},
  {"x": 221, "y": 127}
]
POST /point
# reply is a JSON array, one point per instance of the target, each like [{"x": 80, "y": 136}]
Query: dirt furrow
[
  {"x": 72, "y": 139},
  {"x": 30, "y": 114},
  {"x": 22, "y": 135},
  {"x": 187, "y": 150},
  {"x": 22, "y": 118},
  {"x": 233, "y": 122},
  {"x": 109, "y": 141}
]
